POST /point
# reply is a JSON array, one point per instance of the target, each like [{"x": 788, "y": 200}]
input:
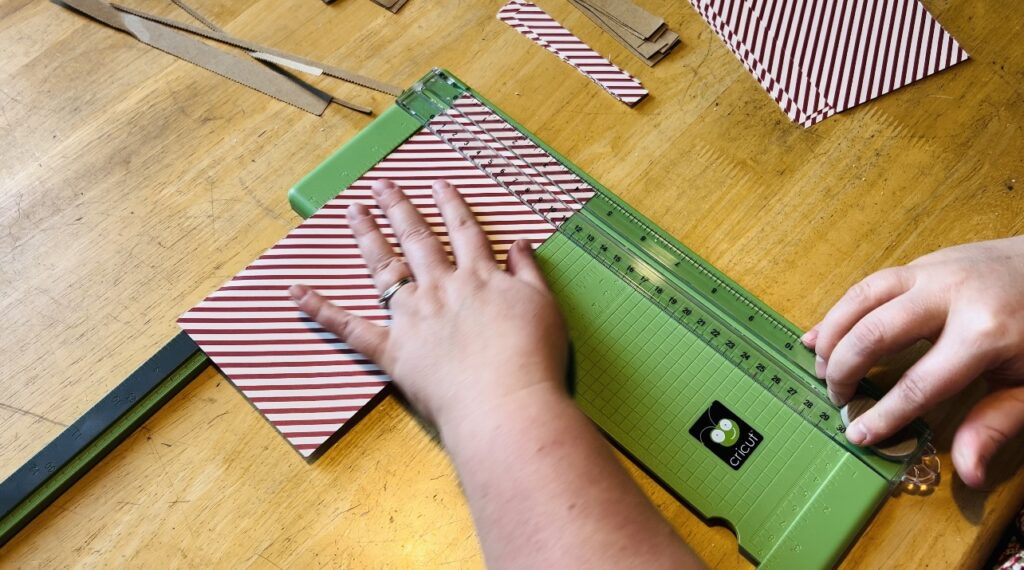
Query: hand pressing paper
[{"x": 304, "y": 380}]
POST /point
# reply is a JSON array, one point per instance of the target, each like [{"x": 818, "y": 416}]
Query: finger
[
  {"x": 994, "y": 421},
  {"x": 942, "y": 372},
  {"x": 810, "y": 337},
  {"x": 886, "y": 330},
  {"x": 523, "y": 265},
  {"x": 359, "y": 333},
  {"x": 469, "y": 242},
  {"x": 421, "y": 248},
  {"x": 860, "y": 300},
  {"x": 386, "y": 267}
]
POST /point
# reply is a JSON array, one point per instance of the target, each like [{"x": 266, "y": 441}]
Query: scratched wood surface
[{"x": 132, "y": 184}]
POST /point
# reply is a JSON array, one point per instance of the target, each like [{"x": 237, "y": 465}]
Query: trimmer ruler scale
[{"x": 694, "y": 377}]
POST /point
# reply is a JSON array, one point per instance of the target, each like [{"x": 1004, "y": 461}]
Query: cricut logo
[{"x": 726, "y": 435}]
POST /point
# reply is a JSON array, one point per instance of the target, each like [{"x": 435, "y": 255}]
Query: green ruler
[{"x": 691, "y": 375}]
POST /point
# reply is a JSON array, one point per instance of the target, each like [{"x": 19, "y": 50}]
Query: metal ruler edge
[{"x": 42, "y": 479}]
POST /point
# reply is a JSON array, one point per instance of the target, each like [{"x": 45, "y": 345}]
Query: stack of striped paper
[{"x": 817, "y": 58}]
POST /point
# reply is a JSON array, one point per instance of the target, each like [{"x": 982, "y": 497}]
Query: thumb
[
  {"x": 996, "y": 419},
  {"x": 523, "y": 265},
  {"x": 359, "y": 333}
]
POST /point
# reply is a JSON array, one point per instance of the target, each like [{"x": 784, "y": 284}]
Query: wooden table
[{"x": 133, "y": 184}]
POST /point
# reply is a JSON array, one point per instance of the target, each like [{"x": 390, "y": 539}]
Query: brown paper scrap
[
  {"x": 393, "y": 5},
  {"x": 633, "y": 17},
  {"x": 274, "y": 62},
  {"x": 239, "y": 69},
  {"x": 197, "y": 16},
  {"x": 650, "y": 49},
  {"x": 221, "y": 37}
]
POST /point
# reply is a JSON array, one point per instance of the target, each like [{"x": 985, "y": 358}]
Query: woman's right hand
[
  {"x": 969, "y": 301},
  {"x": 462, "y": 338}
]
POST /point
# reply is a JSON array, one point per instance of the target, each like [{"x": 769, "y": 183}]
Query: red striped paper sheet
[
  {"x": 537, "y": 25},
  {"x": 305, "y": 381},
  {"x": 817, "y": 58}
]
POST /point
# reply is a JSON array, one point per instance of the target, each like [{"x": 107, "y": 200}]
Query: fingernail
[
  {"x": 356, "y": 211},
  {"x": 960, "y": 458},
  {"x": 381, "y": 186},
  {"x": 819, "y": 367},
  {"x": 298, "y": 292},
  {"x": 525, "y": 245},
  {"x": 856, "y": 433},
  {"x": 979, "y": 476},
  {"x": 809, "y": 337},
  {"x": 439, "y": 186},
  {"x": 971, "y": 468},
  {"x": 978, "y": 465},
  {"x": 835, "y": 399}
]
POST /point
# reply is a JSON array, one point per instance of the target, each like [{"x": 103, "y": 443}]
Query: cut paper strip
[
  {"x": 817, "y": 58},
  {"x": 250, "y": 46},
  {"x": 537, "y": 25},
  {"x": 240, "y": 69},
  {"x": 197, "y": 16},
  {"x": 305, "y": 381},
  {"x": 266, "y": 58},
  {"x": 285, "y": 62}
]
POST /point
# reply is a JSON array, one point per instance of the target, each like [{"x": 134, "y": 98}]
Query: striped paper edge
[
  {"x": 830, "y": 55},
  {"x": 302, "y": 378},
  {"x": 763, "y": 76}
]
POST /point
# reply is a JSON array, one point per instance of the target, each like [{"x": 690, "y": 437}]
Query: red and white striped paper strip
[
  {"x": 821, "y": 57},
  {"x": 537, "y": 25},
  {"x": 304, "y": 380}
]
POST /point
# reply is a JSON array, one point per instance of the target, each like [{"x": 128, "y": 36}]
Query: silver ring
[{"x": 385, "y": 298}]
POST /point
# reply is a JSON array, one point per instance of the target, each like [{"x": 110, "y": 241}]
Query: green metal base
[{"x": 799, "y": 499}]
